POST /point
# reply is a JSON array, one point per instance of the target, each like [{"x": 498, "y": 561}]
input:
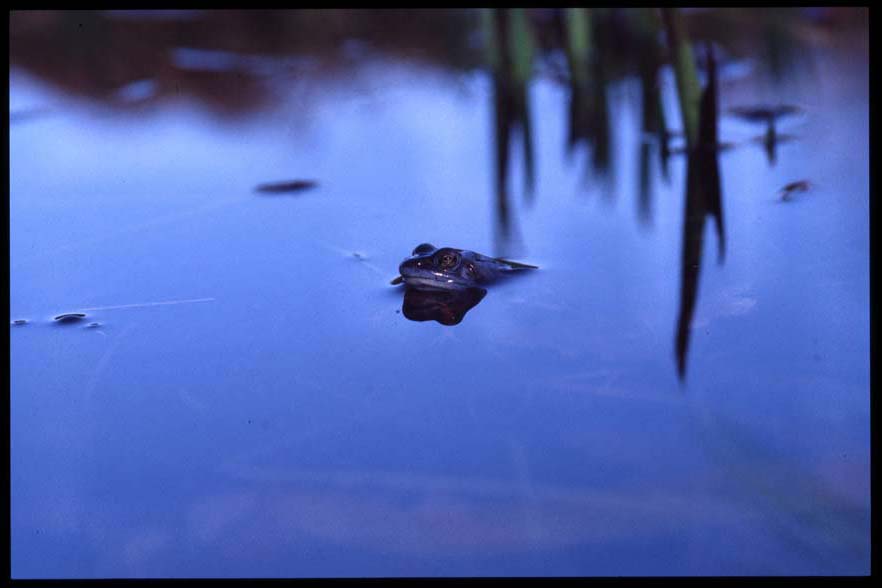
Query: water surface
[{"x": 277, "y": 415}]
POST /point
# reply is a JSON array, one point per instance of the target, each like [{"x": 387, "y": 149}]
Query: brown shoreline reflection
[{"x": 225, "y": 59}]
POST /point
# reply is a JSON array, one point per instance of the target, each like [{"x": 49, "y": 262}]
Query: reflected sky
[{"x": 254, "y": 402}]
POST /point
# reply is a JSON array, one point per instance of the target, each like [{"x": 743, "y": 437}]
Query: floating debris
[
  {"x": 20, "y": 322},
  {"x": 794, "y": 187},
  {"x": 93, "y": 325},
  {"x": 286, "y": 187},
  {"x": 70, "y": 317}
]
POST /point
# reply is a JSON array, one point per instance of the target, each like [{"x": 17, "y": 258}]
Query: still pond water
[{"x": 253, "y": 401}]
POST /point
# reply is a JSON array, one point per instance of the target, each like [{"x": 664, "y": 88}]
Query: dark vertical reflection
[
  {"x": 576, "y": 116},
  {"x": 511, "y": 57},
  {"x": 664, "y": 153},
  {"x": 644, "y": 196},
  {"x": 779, "y": 45},
  {"x": 767, "y": 115},
  {"x": 771, "y": 139},
  {"x": 708, "y": 143},
  {"x": 598, "y": 108},
  {"x": 577, "y": 22},
  {"x": 651, "y": 110},
  {"x": 770, "y": 142},
  {"x": 521, "y": 47},
  {"x": 502, "y": 136},
  {"x": 588, "y": 110},
  {"x": 527, "y": 141},
  {"x": 703, "y": 198},
  {"x": 599, "y": 126}
]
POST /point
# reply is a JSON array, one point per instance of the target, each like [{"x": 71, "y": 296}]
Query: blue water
[{"x": 254, "y": 403}]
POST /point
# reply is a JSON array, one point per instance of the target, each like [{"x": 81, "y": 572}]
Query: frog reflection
[
  {"x": 447, "y": 307},
  {"x": 443, "y": 284}
]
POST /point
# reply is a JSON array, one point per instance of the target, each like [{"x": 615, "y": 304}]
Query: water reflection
[
  {"x": 238, "y": 71},
  {"x": 652, "y": 113},
  {"x": 703, "y": 199},
  {"x": 768, "y": 116},
  {"x": 419, "y": 514},
  {"x": 227, "y": 60},
  {"x": 770, "y": 142},
  {"x": 589, "y": 125},
  {"x": 573, "y": 366},
  {"x": 447, "y": 307},
  {"x": 510, "y": 59},
  {"x": 28, "y": 114}
]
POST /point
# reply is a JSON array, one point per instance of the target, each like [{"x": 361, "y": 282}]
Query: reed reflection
[
  {"x": 510, "y": 59},
  {"x": 768, "y": 116},
  {"x": 652, "y": 114},
  {"x": 588, "y": 111},
  {"x": 703, "y": 199}
]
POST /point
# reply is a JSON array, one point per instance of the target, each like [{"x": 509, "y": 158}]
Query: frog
[{"x": 449, "y": 268}]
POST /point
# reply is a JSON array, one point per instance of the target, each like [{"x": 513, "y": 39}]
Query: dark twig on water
[
  {"x": 793, "y": 187},
  {"x": 70, "y": 317},
  {"x": 286, "y": 187}
]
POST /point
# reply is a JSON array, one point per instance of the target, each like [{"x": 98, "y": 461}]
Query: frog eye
[
  {"x": 423, "y": 248},
  {"x": 447, "y": 259}
]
